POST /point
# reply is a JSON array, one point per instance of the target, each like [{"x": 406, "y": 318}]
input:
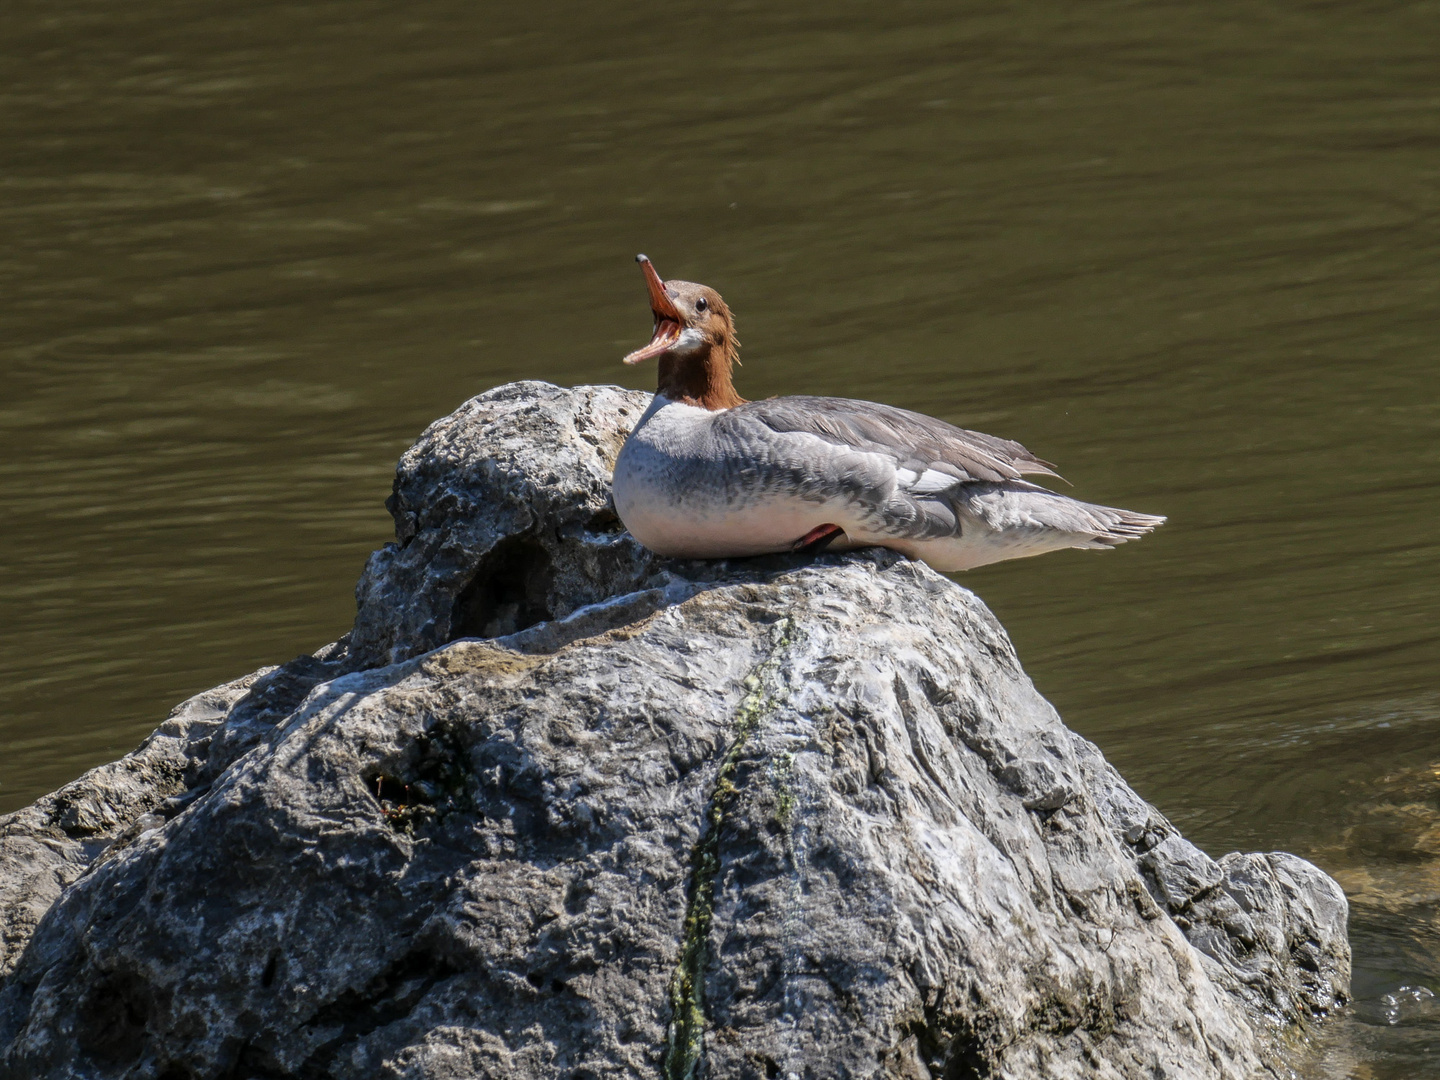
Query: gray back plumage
[{"x": 915, "y": 441}]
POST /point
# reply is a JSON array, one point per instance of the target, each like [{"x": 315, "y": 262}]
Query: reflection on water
[{"x": 1185, "y": 252}]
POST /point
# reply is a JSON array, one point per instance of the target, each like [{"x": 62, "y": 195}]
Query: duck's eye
[{"x": 701, "y": 304}]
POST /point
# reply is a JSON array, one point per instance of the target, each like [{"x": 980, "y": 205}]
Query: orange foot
[{"x": 817, "y": 539}]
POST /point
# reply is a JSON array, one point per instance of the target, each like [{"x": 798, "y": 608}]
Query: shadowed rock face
[
  {"x": 503, "y": 520},
  {"x": 558, "y": 808}
]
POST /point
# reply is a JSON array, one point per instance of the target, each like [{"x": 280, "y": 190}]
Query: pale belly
[
  {"x": 952, "y": 554},
  {"x": 699, "y": 527},
  {"x": 693, "y": 530}
]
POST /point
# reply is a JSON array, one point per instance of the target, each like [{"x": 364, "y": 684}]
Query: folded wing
[
  {"x": 903, "y": 475},
  {"x": 929, "y": 448}
]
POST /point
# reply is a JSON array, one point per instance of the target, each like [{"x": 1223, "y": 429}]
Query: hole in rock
[
  {"x": 965, "y": 1061},
  {"x": 435, "y": 783},
  {"x": 605, "y": 521},
  {"x": 576, "y": 893},
  {"x": 254, "y": 1063},
  {"x": 949, "y": 1048},
  {"x": 112, "y": 1017},
  {"x": 390, "y": 790},
  {"x": 388, "y": 997},
  {"x": 507, "y": 593}
]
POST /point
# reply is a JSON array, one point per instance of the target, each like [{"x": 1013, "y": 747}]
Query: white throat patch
[{"x": 690, "y": 341}]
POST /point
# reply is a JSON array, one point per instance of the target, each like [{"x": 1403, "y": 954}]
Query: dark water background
[{"x": 1189, "y": 253}]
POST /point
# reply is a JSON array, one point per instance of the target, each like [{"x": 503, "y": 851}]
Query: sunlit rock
[{"x": 558, "y": 808}]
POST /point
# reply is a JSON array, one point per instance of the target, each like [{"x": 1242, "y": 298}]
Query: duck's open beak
[{"x": 667, "y": 316}]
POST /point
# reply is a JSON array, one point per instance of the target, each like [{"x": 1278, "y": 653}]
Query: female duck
[{"x": 707, "y": 474}]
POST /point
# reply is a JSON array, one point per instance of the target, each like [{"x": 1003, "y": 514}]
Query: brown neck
[{"x": 701, "y": 379}]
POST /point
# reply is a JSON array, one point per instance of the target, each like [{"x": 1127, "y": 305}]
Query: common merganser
[{"x": 707, "y": 474}]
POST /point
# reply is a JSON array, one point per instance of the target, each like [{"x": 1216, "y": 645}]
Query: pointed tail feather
[
  {"x": 1118, "y": 526},
  {"x": 1030, "y": 519}
]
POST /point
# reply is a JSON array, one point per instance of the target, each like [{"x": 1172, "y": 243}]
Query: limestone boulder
[{"x": 557, "y": 808}]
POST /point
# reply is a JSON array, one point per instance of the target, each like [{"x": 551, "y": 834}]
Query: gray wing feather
[
  {"x": 912, "y": 476},
  {"x": 917, "y": 442},
  {"x": 900, "y": 471}
]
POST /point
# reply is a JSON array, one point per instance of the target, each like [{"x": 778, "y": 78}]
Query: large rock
[{"x": 558, "y": 808}]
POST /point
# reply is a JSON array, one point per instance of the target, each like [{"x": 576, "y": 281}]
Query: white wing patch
[{"x": 926, "y": 483}]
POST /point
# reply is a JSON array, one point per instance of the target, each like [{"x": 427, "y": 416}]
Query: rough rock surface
[{"x": 558, "y": 808}]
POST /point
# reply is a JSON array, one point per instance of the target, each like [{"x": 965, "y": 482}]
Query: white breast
[{"x": 681, "y": 494}]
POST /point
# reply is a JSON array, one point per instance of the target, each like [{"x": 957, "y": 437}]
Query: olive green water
[{"x": 1187, "y": 253}]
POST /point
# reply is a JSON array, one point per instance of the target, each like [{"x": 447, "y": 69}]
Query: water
[{"x": 1187, "y": 253}]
